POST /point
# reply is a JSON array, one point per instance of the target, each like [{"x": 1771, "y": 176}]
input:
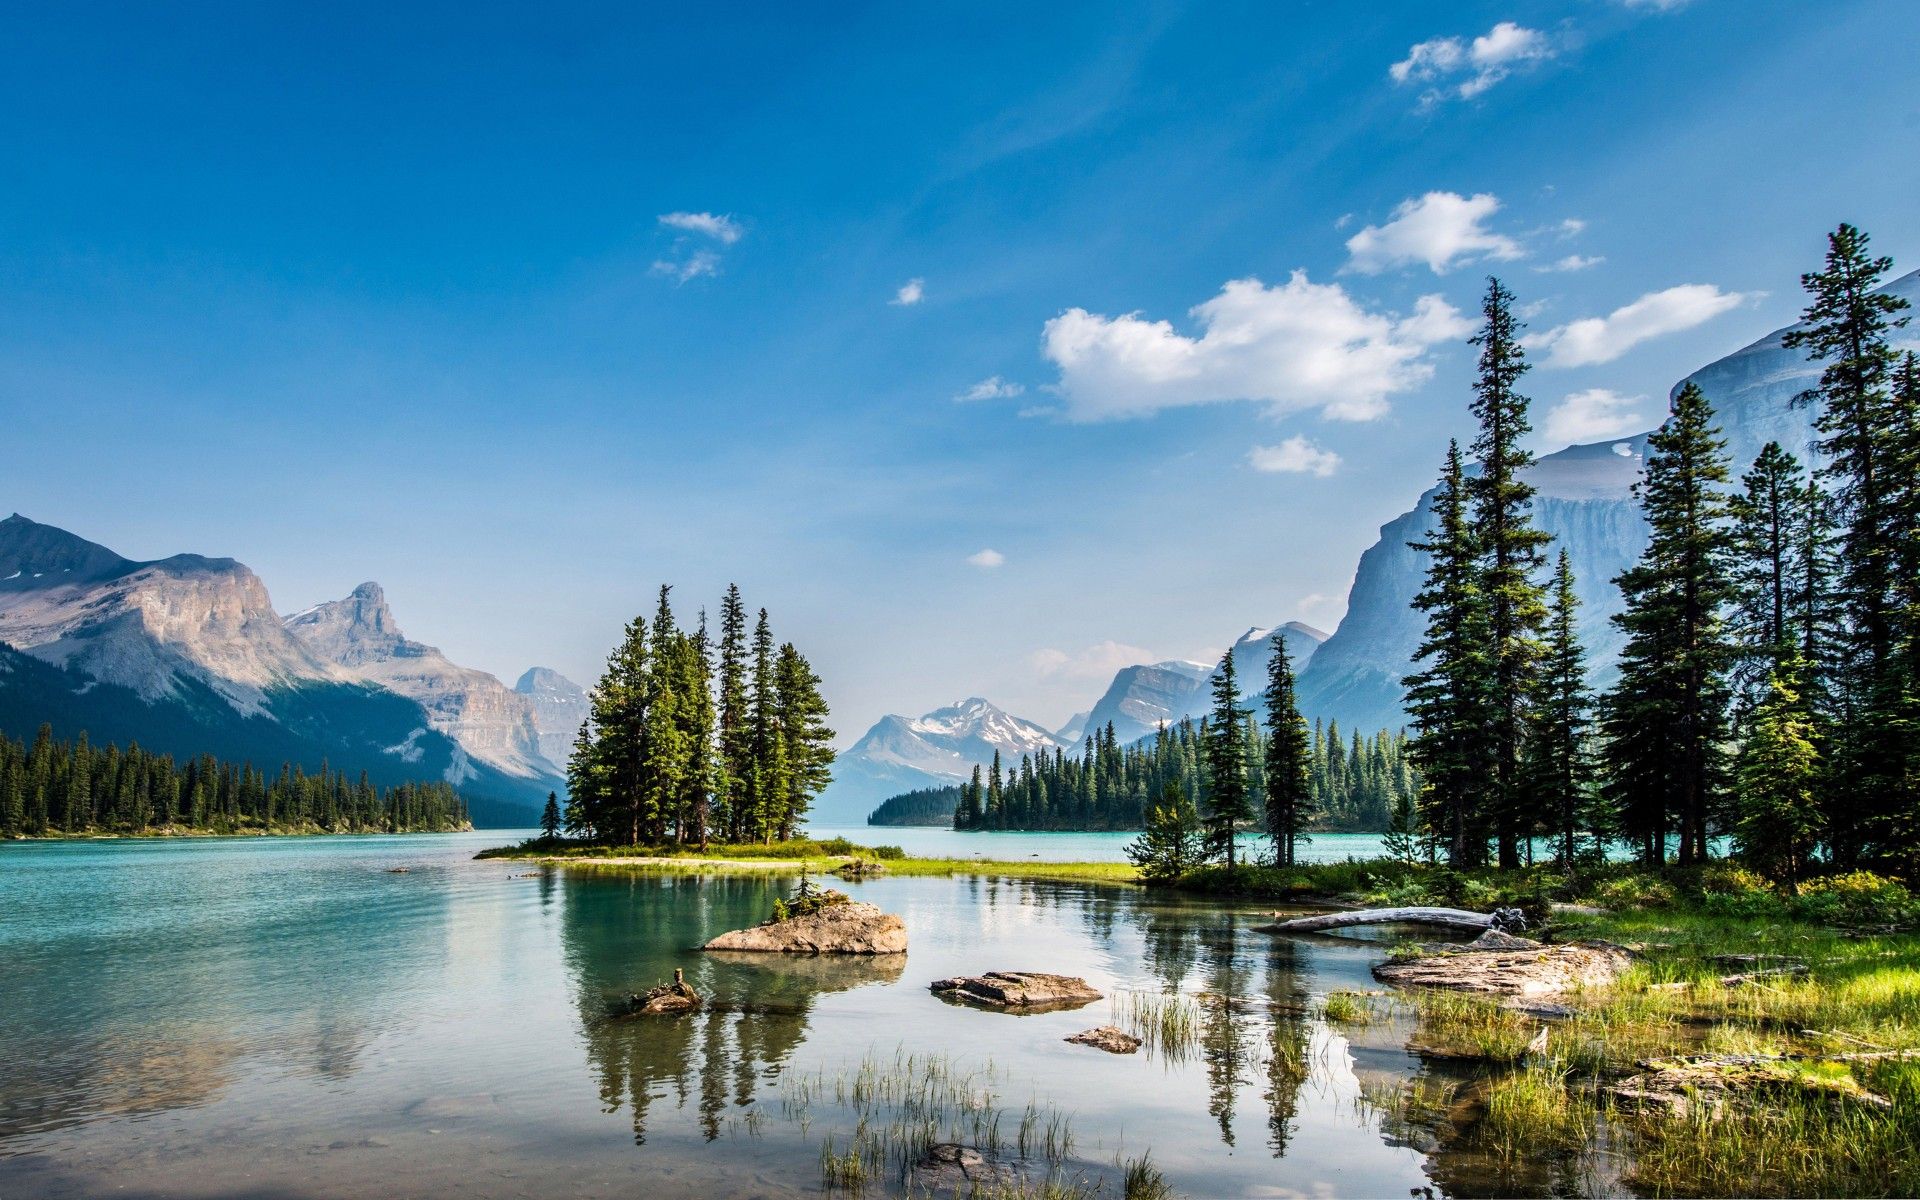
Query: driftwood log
[{"x": 1451, "y": 918}]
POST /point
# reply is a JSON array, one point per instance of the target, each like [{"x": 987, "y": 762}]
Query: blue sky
[{"x": 522, "y": 313}]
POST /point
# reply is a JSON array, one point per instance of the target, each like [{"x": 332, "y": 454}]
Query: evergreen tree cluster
[
  {"x": 923, "y": 806},
  {"x": 53, "y": 788},
  {"x": 1768, "y": 684},
  {"x": 690, "y": 741}
]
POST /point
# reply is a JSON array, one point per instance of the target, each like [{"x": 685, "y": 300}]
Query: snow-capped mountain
[
  {"x": 1586, "y": 502},
  {"x": 559, "y": 709},
  {"x": 492, "y": 723},
  {"x": 1143, "y": 698},
  {"x": 901, "y": 754}
]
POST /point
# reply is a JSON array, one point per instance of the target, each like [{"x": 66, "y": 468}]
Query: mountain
[
  {"x": 1142, "y": 698},
  {"x": 901, "y": 754},
  {"x": 187, "y": 655},
  {"x": 1074, "y": 729},
  {"x": 559, "y": 709},
  {"x": 1586, "y": 502},
  {"x": 492, "y": 723}
]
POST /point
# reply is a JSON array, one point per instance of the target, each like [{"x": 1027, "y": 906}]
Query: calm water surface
[
  {"x": 931, "y": 842},
  {"x": 291, "y": 1017}
]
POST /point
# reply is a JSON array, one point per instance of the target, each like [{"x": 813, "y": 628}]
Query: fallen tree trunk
[{"x": 1451, "y": 918}]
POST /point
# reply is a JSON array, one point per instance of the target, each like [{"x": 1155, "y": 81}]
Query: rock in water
[
  {"x": 1106, "y": 1037},
  {"x": 950, "y": 1169},
  {"x": 1023, "y": 991},
  {"x": 668, "y": 999},
  {"x": 852, "y": 928},
  {"x": 1530, "y": 971}
]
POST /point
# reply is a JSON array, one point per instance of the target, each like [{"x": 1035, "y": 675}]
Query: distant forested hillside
[{"x": 927, "y": 806}]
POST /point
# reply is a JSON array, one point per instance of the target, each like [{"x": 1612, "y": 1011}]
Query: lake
[
  {"x": 927, "y": 841},
  {"x": 296, "y": 1017}
]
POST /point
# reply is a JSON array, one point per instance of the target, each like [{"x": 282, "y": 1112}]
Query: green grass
[
  {"x": 1167, "y": 1023},
  {"x": 1346, "y": 1008},
  {"x": 801, "y": 855}
]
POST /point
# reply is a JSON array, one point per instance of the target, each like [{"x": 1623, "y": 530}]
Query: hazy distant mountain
[
  {"x": 899, "y": 754},
  {"x": 1586, "y": 503},
  {"x": 1142, "y": 698},
  {"x": 493, "y": 724},
  {"x": 186, "y": 654},
  {"x": 1074, "y": 729},
  {"x": 559, "y": 709}
]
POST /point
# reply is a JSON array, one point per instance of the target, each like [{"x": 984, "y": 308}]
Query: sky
[{"x": 990, "y": 347}]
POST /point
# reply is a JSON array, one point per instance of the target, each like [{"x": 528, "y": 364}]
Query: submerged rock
[
  {"x": 849, "y": 928},
  {"x": 1532, "y": 970},
  {"x": 1025, "y": 991},
  {"x": 668, "y": 999},
  {"x": 1108, "y": 1038},
  {"x": 950, "y": 1169}
]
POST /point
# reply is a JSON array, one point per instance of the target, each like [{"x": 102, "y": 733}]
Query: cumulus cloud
[
  {"x": 1592, "y": 340},
  {"x": 1454, "y": 67},
  {"x": 1441, "y": 229},
  {"x": 1295, "y": 346},
  {"x": 1097, "y": 662},
  {"x": 986, "y": 559},
  {"x": 690, "y": 266},
  {"x": 1593, "y": 416},
  {"x": 911, "y": 292},
  {"x": 1296, "y": 456},
  {"x": 1572, "y": 262},
  {"x": 722, "y": 229},
  {"x": 991, "y": 388}
]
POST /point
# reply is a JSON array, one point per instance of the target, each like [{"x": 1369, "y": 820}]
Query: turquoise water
[
  {"x": 292, "y": 1017},
  {"x": 926, "y": 841}
]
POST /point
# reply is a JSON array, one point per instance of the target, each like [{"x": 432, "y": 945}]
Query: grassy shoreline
[{"x": 798, "y": 857}]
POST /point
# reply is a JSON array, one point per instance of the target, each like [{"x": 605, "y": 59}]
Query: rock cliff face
[
  {"x": 1586, "y": 503},
  {"x": 559, "y": 709},
  {"x": 493, "y": 724}
]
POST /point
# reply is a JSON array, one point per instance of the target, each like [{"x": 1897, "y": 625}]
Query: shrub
[
  {"x": 1636, "y": 891},
  {"x": 1861, "y": 898}
]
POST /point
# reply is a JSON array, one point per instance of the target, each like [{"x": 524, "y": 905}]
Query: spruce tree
[
  {"x": 1665, "y": 720},
  {"x": 1229, "y": 804},
  {"x": 1557, "y": 744},
  {"x": 1449, "y": 697},
  {"x": 1172, "y": 843},
  {"x": 767, "y": 764},
  {"x": 550, "y": 818},
  {"x": 1511, "y": 549},
  {"x": 1777, "y": 819},
  {"x": 804, "y": 736},
  {"x": 1763, "y": 573},
  {"x": 1866, "y": 436},
  {"x": 733, "y": 718},
  {"x": 1288, "y": 781}
]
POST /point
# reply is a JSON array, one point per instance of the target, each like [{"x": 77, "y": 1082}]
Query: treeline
[
  {"x": 1767, "y": 689},
  {"x": 690, "y": 741},
  {"x": 922, "y": 806},
  {"x": 52, "y": 788},
  {"x": 1354, "y": 784}
]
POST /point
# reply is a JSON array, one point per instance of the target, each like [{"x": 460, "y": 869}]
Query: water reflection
[{"x": 621, "y": 936}]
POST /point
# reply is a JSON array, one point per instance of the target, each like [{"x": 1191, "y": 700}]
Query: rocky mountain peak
[{"x": 33, "y": 555}]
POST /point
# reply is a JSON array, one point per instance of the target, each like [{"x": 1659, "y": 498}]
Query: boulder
[
  {"x": 1021, "y": 991},
  {"x": 669, "y": 999},
  {"x": 1529, "y": 971},
  {"x": 850, "y": 928},
  {"x": 1108, "y": 1038},
  {"x": 950, "y": 1169}
]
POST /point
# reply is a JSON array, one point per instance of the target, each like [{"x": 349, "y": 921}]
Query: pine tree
[
  {"x": 1777, "y": 822},
  {"x": 1288, "y": 782},
  {"x": 1511, "y": 549},
  {"x": 1665, "y": 719},
  {"x": 767, "y": 765},
  {"x": 733, "y": 718},
  {"x": 1447, "y": 700},
  {"x": 550, "y": 817},
  {"x": 1229, "y": 804},
  {"x": 1557, "y": 743},
  {"x": 1402, "y": 843},
  {"x": 804, "y": 735},
  {"x": 1866, "y": 430},
  {"x": 1172, "y": 843}
]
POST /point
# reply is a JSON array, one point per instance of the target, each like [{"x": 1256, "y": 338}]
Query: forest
[
  {"x": 52, "y": 789},
  {"x": 689, "y": 741}
]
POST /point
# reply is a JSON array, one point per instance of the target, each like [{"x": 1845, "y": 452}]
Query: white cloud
[
  {"x": 1572, "y": 262},
  {"x": 991, "y": 388},
  {"x": 1298, "y": 345},
  {"x": 1296, "y": 456},
  {"x": 1096, "y": 663},
  {"x": 1593, "y": 340},
  {"x": 1593, "y": 416},
  {"x": 911, "y": 292},
  {"x": 700, "y": 262},
  {"x": 986, "y": 559},
  {"x": 1313, "y": 602},
  {"x": 1656, "y": 5},
  {"x": 1572, "y": 227},
  {"x": 1455, "y": 67},
  {"x": 1435, "y": 321},
  {"x": 722, "y": 229},
  {"x": 1440, "y": 229}
]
